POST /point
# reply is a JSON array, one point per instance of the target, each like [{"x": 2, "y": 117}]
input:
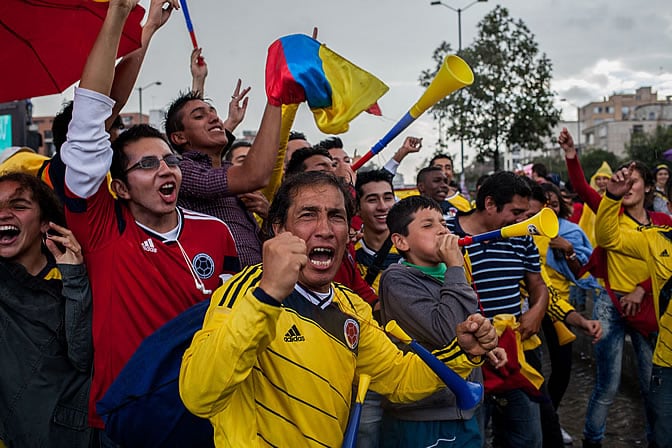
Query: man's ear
[
  {"x": 120, "y": 189},
  {"x": 399, "y": 242},
  {"x": 277, "y": 229},
  {"x": 421, "y": 188},
  {"x": 490, "y": 205},
  {"x": 178, "y": 138}
]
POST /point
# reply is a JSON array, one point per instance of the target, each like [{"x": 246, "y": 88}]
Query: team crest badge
[
  {"x": 532, "y": 230},
  {"x": 203, "y": 265},
  {"x": 351, "y": 332}
]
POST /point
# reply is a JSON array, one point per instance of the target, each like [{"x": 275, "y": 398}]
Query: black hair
[
  {"x": 297, "y": 164},
  {"x": 440, "y": 155},
  {"x": 59, "y": 127},
  {"x": 501, "y": 187},
  {"x": 566, "y": 210},
  {"x": 173, "y": 120},
  {"x": 330, "y": 143},
  {"x": 284, "y": 197},
  {"x": 480, "y": 180},
  {"x": 422, "y": 174},
  {"x": 537, "y": 193},
  {"x": 366, "y": 177},
  {"x": 296, "y": 135},
  {"x": 228, "y": 155},
  {"x": 133, "y": 134},
  {"x": 403, "y": 212},
  {"x": 540, "y": 170},
  {"x": 51, "y": 208}
]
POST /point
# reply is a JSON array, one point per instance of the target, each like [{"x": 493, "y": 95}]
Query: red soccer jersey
[{"x": 139, "y": 280}]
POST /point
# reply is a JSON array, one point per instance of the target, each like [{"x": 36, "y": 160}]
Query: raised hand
[
  {"x": 69, "y": 252},
  {"x": 199, "y": 71},
  {"x": 566, "y": 142},
  {"x": 410, "y": 145},
  {"x": 621, "y": 181},
  {"x": 159, "y": 13},
  {"x": 236, "y": 110},
  {"x": 283, "y": 258}
]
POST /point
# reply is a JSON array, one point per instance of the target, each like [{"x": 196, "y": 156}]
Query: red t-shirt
[{"x": 139, "y": 280}]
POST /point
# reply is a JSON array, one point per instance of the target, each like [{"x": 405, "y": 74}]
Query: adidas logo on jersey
[
  {"x": 148, "y": 246},
  {"x": 293, "y": 335},
  {"x": 664, "y": 253}
]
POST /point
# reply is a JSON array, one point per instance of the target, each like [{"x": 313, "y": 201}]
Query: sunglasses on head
[{"x": 153, "y": 162}]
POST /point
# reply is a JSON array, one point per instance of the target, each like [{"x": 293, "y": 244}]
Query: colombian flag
[{"x": 299, "y": 69}]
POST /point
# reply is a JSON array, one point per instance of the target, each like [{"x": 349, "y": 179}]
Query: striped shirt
[{"x": 497, "y": 268}]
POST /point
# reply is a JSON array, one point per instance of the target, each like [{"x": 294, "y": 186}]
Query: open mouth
[
  {"x": 216, "y": 129},
  {"x": 167, "y": 190},
  {"x": 321, "y": 257},
  {"x": 8, "y": 233}
]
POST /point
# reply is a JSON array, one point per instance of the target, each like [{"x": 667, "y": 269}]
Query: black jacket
[{"x": 45, "y": 353}]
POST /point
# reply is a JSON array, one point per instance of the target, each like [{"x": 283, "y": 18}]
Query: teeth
[
  {"x": 322, "y": 264},
  {"x": 322, "y": 249},
  {"x": 6, "y": 228}
]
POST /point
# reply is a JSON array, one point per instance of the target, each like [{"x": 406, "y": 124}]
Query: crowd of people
[{"x": 301, "y": 263}]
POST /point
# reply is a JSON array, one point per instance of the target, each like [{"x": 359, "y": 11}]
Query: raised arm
[
  {"x": 256, "y": 170},
  {"x": 199, "y": 71},
  {"x": 98, "y": 72},
  {"x": 576, "y": 176},
  {"x": 410, "y": 145},
  {"x": 126, "y": 73},
  {"x": 87, "y": 153}
]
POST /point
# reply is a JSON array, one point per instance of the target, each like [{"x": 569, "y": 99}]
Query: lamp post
[
  {"x": 578, "y": 121},
  {"x": 459, "y": 50},
  {"x": 140, "y": 89}
]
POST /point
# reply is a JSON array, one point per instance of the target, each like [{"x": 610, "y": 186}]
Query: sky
[{"x": 597, "y": 48}]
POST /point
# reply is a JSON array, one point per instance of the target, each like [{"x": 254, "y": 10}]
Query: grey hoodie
[{"x": 428, "y": 311}]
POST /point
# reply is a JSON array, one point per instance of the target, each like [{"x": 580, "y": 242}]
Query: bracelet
[{"x": 571, "y": 257}]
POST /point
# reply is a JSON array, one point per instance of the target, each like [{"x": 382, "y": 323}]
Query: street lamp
[
  {"x": 140, "y": 89},
  {"x": 578, "y": 121},
  {"x": 459, "y": 50}
]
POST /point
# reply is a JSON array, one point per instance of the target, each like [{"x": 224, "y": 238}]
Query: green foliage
[
  {"x": 510, "y": 102},
  {"x": 591, "y": 160},
  {"x": 649, "y": 148}
]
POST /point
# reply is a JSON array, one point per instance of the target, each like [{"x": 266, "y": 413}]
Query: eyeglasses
[{"x": 153, "y": 162}]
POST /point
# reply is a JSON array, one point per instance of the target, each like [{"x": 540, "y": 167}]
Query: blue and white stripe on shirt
[{"x": 497, "y": 267}]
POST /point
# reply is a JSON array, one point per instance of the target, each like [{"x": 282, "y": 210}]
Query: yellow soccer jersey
[
  {"x": 654, "y": 246},
  {"x": 282, "y": 375}
]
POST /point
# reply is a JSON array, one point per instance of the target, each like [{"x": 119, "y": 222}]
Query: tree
[
  {"x": 649, "y": 147},
  {"x": 510, "y": 101}
]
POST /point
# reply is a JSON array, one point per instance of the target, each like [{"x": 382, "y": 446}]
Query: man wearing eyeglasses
[{"x": 148, "y": 259}]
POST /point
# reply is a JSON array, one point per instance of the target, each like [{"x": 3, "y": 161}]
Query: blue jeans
[
  {"x": 608, "y": 352},
  {"x": 368, "y": 433},
  {"x": 516, "y": 419},
  {"x": 660, "y": 398},
  {"x": 577, "y": 296},
  {"x": 440, "y": 433}
]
